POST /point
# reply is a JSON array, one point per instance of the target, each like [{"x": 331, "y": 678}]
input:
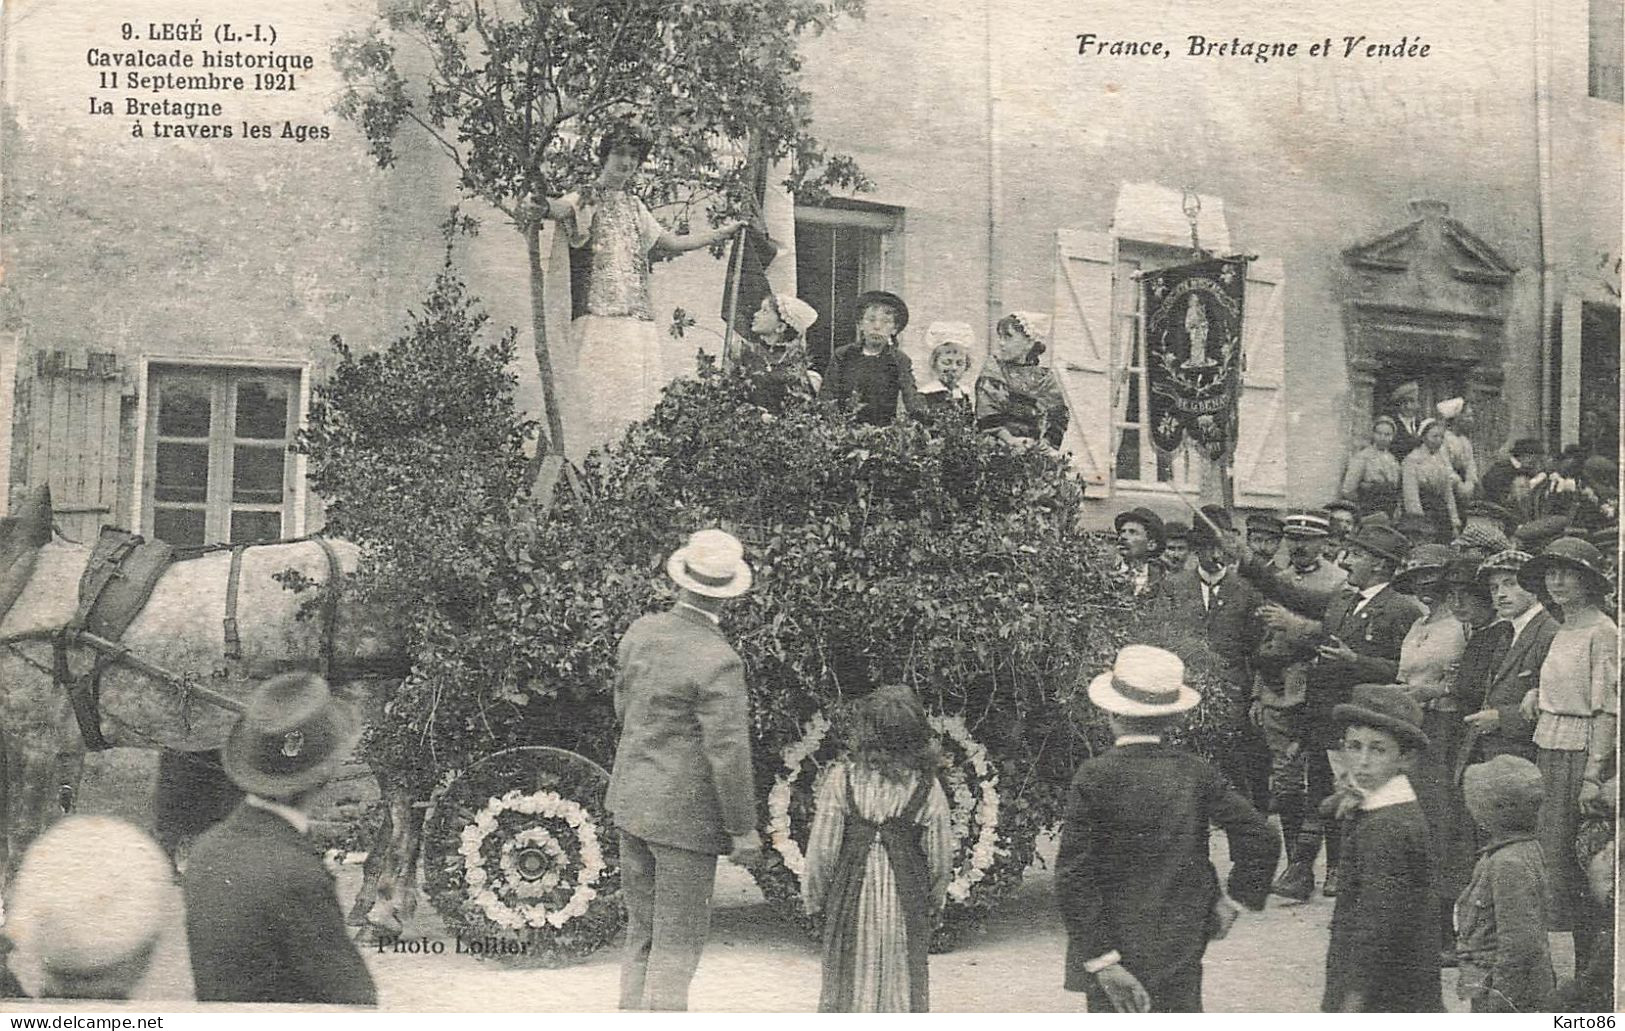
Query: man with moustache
[
  {"x": 1140, "y": 541},
  {"x": 1359, "y": 633},
  {"x": 1500, "y": 726}
]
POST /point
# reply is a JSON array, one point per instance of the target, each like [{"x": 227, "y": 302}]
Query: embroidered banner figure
[{"x": 1193, "y": 332}]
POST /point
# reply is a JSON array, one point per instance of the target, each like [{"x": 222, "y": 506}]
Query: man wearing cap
[
  {"x": 1406, "y": 411},
  {"x": 1359, "y": 633},
  {"x": 1136, "y": 886},
  {"x": 874, "y": 374},
  {"x": 1141, "y": 538},
  {"x": 262, "y": 917},
  {"x": 1264, "y": 532},
  {"x": 1280, "y": 688},
  {"x": 681, "y": 790}
]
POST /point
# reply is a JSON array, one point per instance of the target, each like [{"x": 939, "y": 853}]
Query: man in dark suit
[
  {"x": 681, "y": 790},
  {"x": 1136, "y": 887},
  {"x": 1500, "y": 727},
  {"x": 1359, "y": 631},
  {"x": 1141, "y": 537},
  {"x": 262, "y": 917},
  {"x": 1215, "y": 598}
]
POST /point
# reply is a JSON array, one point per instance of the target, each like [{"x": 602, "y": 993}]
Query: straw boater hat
[
  {"x": 1567, "y": 551},
  {"x": 1387, "y": 707},
  {"x": 795, "y": 313},
  {"x": 1425, "y": 564},
  {"x": 1343, "y": 505},
  {"x": 886, "y": 298},
  {"x": 1148, "y": 519},
  {"x": 712, "y": 563},
  {"x": 291, "y": 738},
  {"x": 1144, "y": 681},
  {"x": 88, "y": 903}
]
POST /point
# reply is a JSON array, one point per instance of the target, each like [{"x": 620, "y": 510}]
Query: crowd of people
[
  {"x": 1429, "y": 664},
  {"x": 1501, "y": 635}
]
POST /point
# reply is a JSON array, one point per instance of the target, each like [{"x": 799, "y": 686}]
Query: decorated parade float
[{"x": 934, "y": 556}]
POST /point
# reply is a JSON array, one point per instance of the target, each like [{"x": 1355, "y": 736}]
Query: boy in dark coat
[
  {"x": 1384, "y": 951},
  {"x": 1137, "y": 890}
]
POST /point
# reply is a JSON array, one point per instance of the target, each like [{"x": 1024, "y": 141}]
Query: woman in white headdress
[
  {"x": 1457, "y": 416},
  {"x": 948, "y": 394},
  {"x": 778, "y": 353},
  {"x": 1017, "y": 398}
]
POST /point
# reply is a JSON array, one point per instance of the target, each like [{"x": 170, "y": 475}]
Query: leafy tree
[{"x": 515, "y": 92}]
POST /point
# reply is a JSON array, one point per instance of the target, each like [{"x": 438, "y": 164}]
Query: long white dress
[{"x": 617, "y": 369}]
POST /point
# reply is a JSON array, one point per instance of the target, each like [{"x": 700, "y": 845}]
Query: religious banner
[{"x": 1193, "y": 353}]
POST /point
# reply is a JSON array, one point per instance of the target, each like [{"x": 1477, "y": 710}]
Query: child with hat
[
  {"x": 1506, "y": 965},
  {"x": 947, "y": 396},
  {"x": 779, "y": 353},
  {"x": 874, "y": 370},
  {"x": 1137, "y": 890},
  {"x": 1384, "y": 950},
  {"x": 1018, "y": 397}
]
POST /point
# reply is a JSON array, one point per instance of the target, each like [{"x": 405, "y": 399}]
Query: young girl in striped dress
[{"x": 878, "y": 860}]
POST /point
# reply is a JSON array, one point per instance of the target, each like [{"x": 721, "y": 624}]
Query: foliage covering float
[{"x": 939, "y": 558}]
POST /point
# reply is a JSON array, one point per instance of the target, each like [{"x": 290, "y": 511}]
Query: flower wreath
[
  {"x": 521, "y": 873},
  {"x": 969, "y": 781},
  {"x": 532, "y": 866}
]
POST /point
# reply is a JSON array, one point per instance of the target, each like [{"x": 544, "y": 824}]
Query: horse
[{"x": 179, "y": 675}]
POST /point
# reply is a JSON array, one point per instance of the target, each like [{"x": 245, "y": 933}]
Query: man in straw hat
[
  {"x": 681, "y": 790},
  {"x": 1359, "y": 633},
  {"x": 1383, "y": 956},
  {"x": 1137, "y": 890},
  {"x": 262, "y": 918},
  {"x": 89, "y": 905}
]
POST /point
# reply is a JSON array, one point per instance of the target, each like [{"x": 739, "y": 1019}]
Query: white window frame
[
  {"x": 294, "y": 505},
  {"x": 1128, "y": 328}
]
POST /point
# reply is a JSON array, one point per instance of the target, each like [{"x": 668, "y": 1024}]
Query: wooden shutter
[
  {"x": 1082, "y": 348},
  {"x": 1260, "y": 463},
  {"x": 75, "y": 403}
]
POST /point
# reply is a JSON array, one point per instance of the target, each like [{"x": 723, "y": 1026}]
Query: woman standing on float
[{"x": 618, "y": 366}]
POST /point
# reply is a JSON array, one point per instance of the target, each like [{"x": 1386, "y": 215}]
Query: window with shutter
[
  {"x": 1081, "y": 348},
  {"x": 1260, "y": 462},
  {"x": 75, "y": 406}
]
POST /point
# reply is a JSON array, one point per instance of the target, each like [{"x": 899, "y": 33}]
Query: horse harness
[{"x": 124, "y": 569}]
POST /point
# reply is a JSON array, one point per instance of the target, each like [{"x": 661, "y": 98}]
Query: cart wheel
[{"x": 521, "y": 860}]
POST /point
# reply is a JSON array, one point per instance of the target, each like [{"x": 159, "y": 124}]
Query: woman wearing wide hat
[{"x": 1576, "y": 712}]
